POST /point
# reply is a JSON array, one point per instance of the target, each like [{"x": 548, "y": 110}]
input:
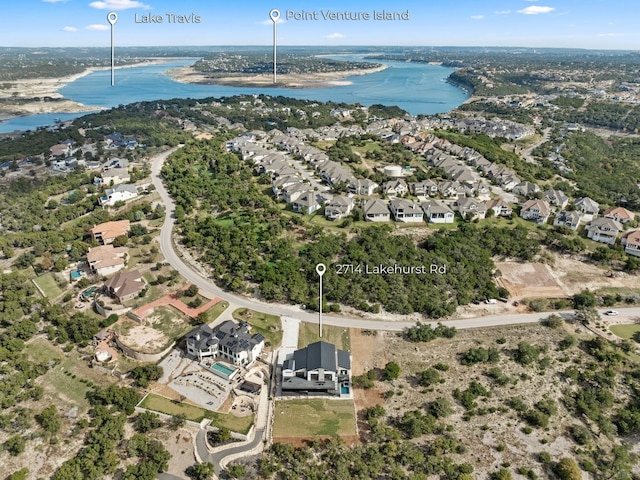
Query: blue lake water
[{"x": 416, "y": 88}]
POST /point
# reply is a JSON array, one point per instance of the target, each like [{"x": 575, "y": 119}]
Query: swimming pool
[{"x": 223, "y": 370}]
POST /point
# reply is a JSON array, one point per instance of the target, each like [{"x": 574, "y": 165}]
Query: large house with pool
[
  {"x": 317, "y": 369},
  {"x": 230, "y": 341}
]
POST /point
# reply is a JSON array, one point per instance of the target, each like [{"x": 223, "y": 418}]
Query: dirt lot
[
  {"x": 496, "y": 435},
  {"x": 564, "y": 278}
]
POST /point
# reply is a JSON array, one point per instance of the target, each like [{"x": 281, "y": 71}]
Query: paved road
[{"x": 208, "y": 287}]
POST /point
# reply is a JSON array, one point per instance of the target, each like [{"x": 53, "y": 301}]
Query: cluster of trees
[
  {"x": 387, "y": 457},
  {"x": 249, "y": 241}
]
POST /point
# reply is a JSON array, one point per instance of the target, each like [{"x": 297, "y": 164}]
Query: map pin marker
[
  {"x": 320, "y": 269},
  {"x": 112, "y": 18},
  {"x": 275, "y": 15}
]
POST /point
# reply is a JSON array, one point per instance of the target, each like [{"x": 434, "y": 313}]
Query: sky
[{"x": 593, "y": 24}]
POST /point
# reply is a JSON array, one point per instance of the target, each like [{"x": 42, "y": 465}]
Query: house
[
  {"x": 317, "y": 369},
  {"x": 499, "y": 206},
  {"x": 526, "y": 189},
  {"x": 587, "y": 206},
  {"x": 406, "y": 210},
  {"x": 426, "y": 187},
  {"x": 306, "y": 203},
  {"x": 124, "y": 286},
  {"x": 395, "y": 188},
  {"x": 568, "y": 219},
  {"x": 469, "y": 208},
  {"x": 437, "y": 212},
  {"x": 376, "y": 210},
  {"x": 362, "y": 186},
  {"x": 106, "y": 233},
  {"x": 556, "y": 198},
  {"x": 631, "y": 242},
  {"x": 536, "y": 211},
  {"x": 121, "y": 193},
  {"x": 604, "y": 230},
  {"x": 115, "y": 176},
  {"x": 619, "y": 214},
  {"x": 106, "y": 259},
  {"x": 229, "y": 341},
  {"x": 338, "y": 207}
]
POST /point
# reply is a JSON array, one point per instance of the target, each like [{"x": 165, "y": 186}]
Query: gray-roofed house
[
  {"x": 437, "y": 212},
  {"x": 569, "y": 219},
  {"x": 604, "y": 230},
  {"x": 535, "y": 210},
  {"x": 338, "y": 207},
  {"x": 587, "y": 206},
  {"x": 125, "y": 285},
  {"x": 376, "y": 210},
  {"x": 406, "y": 210},
  {"x": 317, "y": 369},
  {"x": 556, "y": 198},
  {"x": 229, "y": 341}
]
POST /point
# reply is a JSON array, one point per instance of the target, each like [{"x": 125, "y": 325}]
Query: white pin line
[
  {"x": 112, "y": 18},
  {"x": 320, "y": 269},
  {"x": 274, "y": 14}
]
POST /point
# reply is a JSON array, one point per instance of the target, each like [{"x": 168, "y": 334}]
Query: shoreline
[
  {"x": 298, "y": 80},
  {"x": 41, "y": 88}
]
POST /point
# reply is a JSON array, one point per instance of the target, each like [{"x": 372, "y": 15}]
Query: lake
[{"x": 416, "y": 88}]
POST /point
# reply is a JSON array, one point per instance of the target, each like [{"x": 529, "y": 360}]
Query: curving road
[{"x": 208, "y": 287}]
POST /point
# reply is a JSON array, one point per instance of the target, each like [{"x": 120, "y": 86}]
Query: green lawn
[
  {"x": 309, "y": 333},
  {"x": 625, "y": 331},
  {"x": 196, "y": 414},
  {"x": 214, "y": 312},
  {"x": 47, "y": 283},
  {"x": 268, "y": 325},
  {"x": 312, "y": 417}
]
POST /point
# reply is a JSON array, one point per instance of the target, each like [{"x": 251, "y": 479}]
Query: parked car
[
  {"x": 611, "y": 313},
  {"x": 490, "y": 301}
]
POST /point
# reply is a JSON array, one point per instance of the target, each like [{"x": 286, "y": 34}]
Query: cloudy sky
[{"x": 603, "y": 24}]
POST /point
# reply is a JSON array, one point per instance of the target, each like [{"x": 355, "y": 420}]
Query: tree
[
  {"x": 49, "y": 419},
  {"x": 177, "y": 421},
  {"x": 120, "y": 241},
  {"x": 20, "y": 474},
  {"x": 567, "y": 469},
  {"x": 428, "y": 377},
  {"x": 192, "y": 291},
  {"x": 584, "y": 299},
  {"x": 440, "y": 408},
  {"x": 15, "y": 445},
  {"x": 201, "y": 471},
  {"x": 236, "y": 471},
  {"x": 143, "y": 374},
  {"x": 147, "y": 421},
  {"x": 391, "y": 371}
]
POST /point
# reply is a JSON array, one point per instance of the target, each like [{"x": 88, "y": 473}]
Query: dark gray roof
[
  {"x": 344, "y": 359},
  {"x": 233, "y": 336},
  {"x": 316, "y": 355}
]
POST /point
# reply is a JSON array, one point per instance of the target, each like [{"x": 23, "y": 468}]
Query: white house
[
  {"x": 338, "y": 207},
  {"x": 229, "y": 341},
  {"x": 317, "y": 369},
  {"x": 437, "y": 212},
  {"x": 604, "y": 230},
  {"x": 631, "y": 243},
  {"x": 535, "y": 210},
  {"x": 589, "y": 207},
  {"x": 499, "y": 206},
  {"x": 619, "y": 214},
  {"x": 106, "y": 259},
  {"x": 405, "y": 210},
  {"x": 376, "y": 210},
  {"x": 120, "y": 193},
  {"x": 569, "y": 219}
]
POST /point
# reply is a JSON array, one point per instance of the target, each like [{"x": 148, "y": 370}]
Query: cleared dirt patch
[{"x": 530, "y": 280}]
